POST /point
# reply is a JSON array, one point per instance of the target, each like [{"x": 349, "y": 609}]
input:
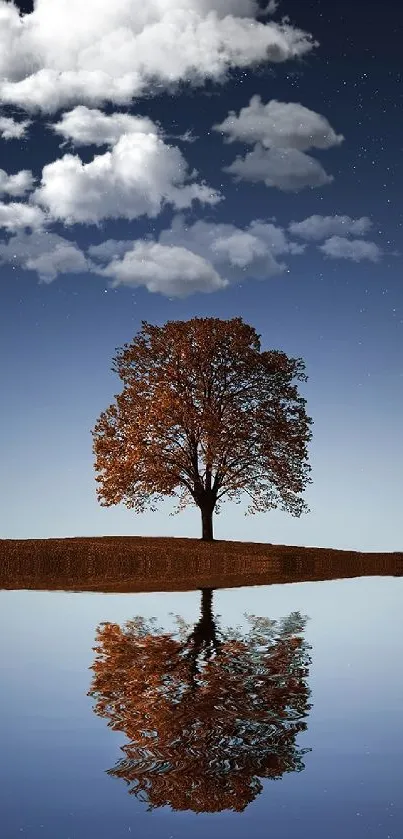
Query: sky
[{"x": 211, "y": 158}]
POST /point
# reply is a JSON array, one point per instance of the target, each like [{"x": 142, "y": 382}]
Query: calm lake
[{"x": 271, "y": 711}]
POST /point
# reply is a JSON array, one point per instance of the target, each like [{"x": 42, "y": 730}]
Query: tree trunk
[
  {"x": 206, "y": 608},
  {"x": 202, "y": 643},
  {"x": 207, "y": 523}
]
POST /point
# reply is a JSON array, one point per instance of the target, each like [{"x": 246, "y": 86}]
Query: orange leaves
[
  {"x": 206, "y": 715},
  {"x": 204, "y": 414}
]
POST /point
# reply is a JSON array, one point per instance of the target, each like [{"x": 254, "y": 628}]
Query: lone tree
[{"x": 204, "y": 414}]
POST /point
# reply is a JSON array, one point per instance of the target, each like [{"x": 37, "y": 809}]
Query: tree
[
  {"x": 203, "y": 414},
  {"x": 209, "y": 713}
]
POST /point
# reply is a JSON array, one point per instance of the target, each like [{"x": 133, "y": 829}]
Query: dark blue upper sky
[{"x": 301, "y": 237}]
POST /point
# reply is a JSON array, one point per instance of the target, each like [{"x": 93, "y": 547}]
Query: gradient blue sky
[{"x": 322, "y": 139}]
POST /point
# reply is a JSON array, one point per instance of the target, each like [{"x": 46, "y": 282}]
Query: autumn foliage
[
  {"x": 208, "y": 714},
  {"x": 203, "y": 414}
]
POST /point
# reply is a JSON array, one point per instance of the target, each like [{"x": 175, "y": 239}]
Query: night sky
[{"x": 172, "y": 159}]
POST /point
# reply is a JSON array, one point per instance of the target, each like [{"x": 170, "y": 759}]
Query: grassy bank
[{"x": 136, "y": 564}]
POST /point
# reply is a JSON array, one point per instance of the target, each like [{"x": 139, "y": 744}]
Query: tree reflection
[{"x": 209, "y": 712}]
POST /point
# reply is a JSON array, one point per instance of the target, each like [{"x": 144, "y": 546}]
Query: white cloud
[
  {"x": 286, "y": 169},
  {"x": 187, "y": 137},
  {"x": 17, "y": 215},
  {"x": 281, "y": 133},
  {"x": 281, "y": 125},
  {"x": 16, "y": 185},
  {"x": 186, "y": 258},
  {"x": 46, "y": 253},
  {"x": 137, "y": 177},
  {"x": 318, "y": 227},
  {"x": 271, "y": 7},
  {"x": 172, "y": 271},
  {"x": 12, "y": 130},
  {"x": 355, "y": 249},
  {"x": 86, "y": 126},
  {"x": 67, "y": 52},
  {"x": 275, "y": 238},
  {"x": 230, "y": 253},
  {"x": 64, "y": 259},
  {"x": 239, "y": 248},
  {"x": 236, "y": 253},
  {"x": 110, "y": 249}
]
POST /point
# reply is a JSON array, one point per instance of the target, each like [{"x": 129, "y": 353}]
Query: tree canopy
[
  {"x": 208, "y": 713},
  {"x": 204, "y": 414}
]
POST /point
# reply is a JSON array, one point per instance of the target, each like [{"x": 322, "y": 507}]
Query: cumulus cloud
[
  {"x": 236, "y": 252},
  {"x": 16, "y": 185},
  {"x": 239, "y": 248},
  {"x": 172, "y": 271},
  {"x": 67, "y": 52},
  {"x": 17, "y": 215},
  {"x": 89, "y": 126},
  {"x": 46, "y": 253},
  {"x": 354, "y": 249},
  {"x": 231, "y": 253},
  {"x": 137, "y": 177},
  {"x": 12, "y": 130},
  {"x": 186, "y": 258},
  {"x": 222, "y": 241},
  {"x": 318, "y": 227},
  {"x": 275, "y": 238},
  {"x": 282, "y": 125},
  {"x": 110, "y": 249},
  {"x": 289, "y": 170},
  {"x": 281, "y": 133}
]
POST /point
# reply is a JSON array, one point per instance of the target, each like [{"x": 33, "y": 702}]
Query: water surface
[{"x": 290, "y": 725}]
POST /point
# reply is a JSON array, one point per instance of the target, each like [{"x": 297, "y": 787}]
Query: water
[{"x": 305, "y": 735}]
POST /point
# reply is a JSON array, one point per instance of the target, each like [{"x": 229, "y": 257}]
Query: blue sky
[{"x": 168, "y": 160}]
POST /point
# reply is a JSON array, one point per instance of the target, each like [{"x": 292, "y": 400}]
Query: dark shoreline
[{"x": 143, "y": 564}]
